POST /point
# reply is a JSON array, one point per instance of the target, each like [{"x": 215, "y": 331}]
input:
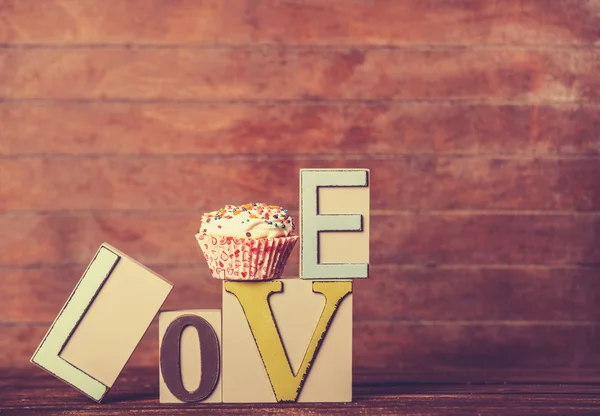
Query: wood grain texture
[
  {"x": 313, "y": 22},
  {"x": 401, "y": 345},
  {"x": 278, "y": 129},
  {"x": 124, "y": 121},
  {"x": 553, "y": 240},
  {"x": 136, "y": 394},
  {"x": 202, "y": 184},
  {"x": 519, "y": 294},
  {"x": 180, "y": 74}
]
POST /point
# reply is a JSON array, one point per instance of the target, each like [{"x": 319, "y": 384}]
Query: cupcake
[{"x": 247, "y": 242}]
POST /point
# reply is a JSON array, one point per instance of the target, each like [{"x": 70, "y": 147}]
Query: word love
[{"x": 287, "y": 340}]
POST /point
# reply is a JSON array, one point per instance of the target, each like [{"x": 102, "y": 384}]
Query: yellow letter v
[{"x": 254, "y": 299}]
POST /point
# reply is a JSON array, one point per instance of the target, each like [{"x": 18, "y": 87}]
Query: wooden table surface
[{"x": 30, "y": 391}]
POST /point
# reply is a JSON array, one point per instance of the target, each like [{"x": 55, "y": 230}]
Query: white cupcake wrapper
[{"x": 232, "y": 258}]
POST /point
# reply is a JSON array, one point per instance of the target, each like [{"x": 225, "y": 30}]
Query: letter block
[
  {"x": 287, "y": 340},
  {"x": 102, "y": 322},
  {"x": 190, "y": 356},
  {"x": 334, "y": 223}
]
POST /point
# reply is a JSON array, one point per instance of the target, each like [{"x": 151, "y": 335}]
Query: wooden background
[{"x": 124, "y": 120}]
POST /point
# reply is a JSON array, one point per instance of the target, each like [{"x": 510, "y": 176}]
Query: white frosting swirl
[{"x": 254, "y": 220}]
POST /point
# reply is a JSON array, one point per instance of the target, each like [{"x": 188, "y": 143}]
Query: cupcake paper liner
[{"x": 232, "y": 258}]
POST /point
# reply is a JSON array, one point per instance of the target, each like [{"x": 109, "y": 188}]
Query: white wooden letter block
[
  {"x": 191, "y": 356},
  {"x": 334, "y": 223},
  {"x": 102, "y": 322},
  {"x": 257, "y": 368}
]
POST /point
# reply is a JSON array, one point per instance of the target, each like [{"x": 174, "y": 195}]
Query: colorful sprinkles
[{"x": 256, "y": 210}]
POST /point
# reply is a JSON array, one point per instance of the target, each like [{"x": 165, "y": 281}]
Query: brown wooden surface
[
  {"x": 308, "y": 22},
  {"x": 331, "y": 128},
  {"x": 455, "y": 238},
  {"x": 494, "y": 293},
  {"x": 283, "y": 74},
  {"x": 28, "y": 392},
  {"x": 171, "y": 183},
  {"x": 124, "y": 121}
]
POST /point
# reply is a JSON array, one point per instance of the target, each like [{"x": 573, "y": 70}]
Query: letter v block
[
  {"x": 190, "y": 356},
  {"x": 287, "y": 340},
  {"x": 102, "y": 322}
]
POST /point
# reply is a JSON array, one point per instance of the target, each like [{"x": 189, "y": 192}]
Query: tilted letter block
[
  {"x": 102, "y": 322},
  {"x": 334, "y": 223},
  {"x": 190, "y": 356},
  {"x": 287, "y": 340}
]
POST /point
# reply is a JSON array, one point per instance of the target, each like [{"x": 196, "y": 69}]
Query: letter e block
[{"x": 334, "y": 223}]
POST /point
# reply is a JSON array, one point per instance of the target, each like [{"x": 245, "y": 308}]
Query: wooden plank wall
[{"x": 124, "y": 120}]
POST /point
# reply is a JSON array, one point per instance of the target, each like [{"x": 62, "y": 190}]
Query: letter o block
[{"x": 190, "y": 356}]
